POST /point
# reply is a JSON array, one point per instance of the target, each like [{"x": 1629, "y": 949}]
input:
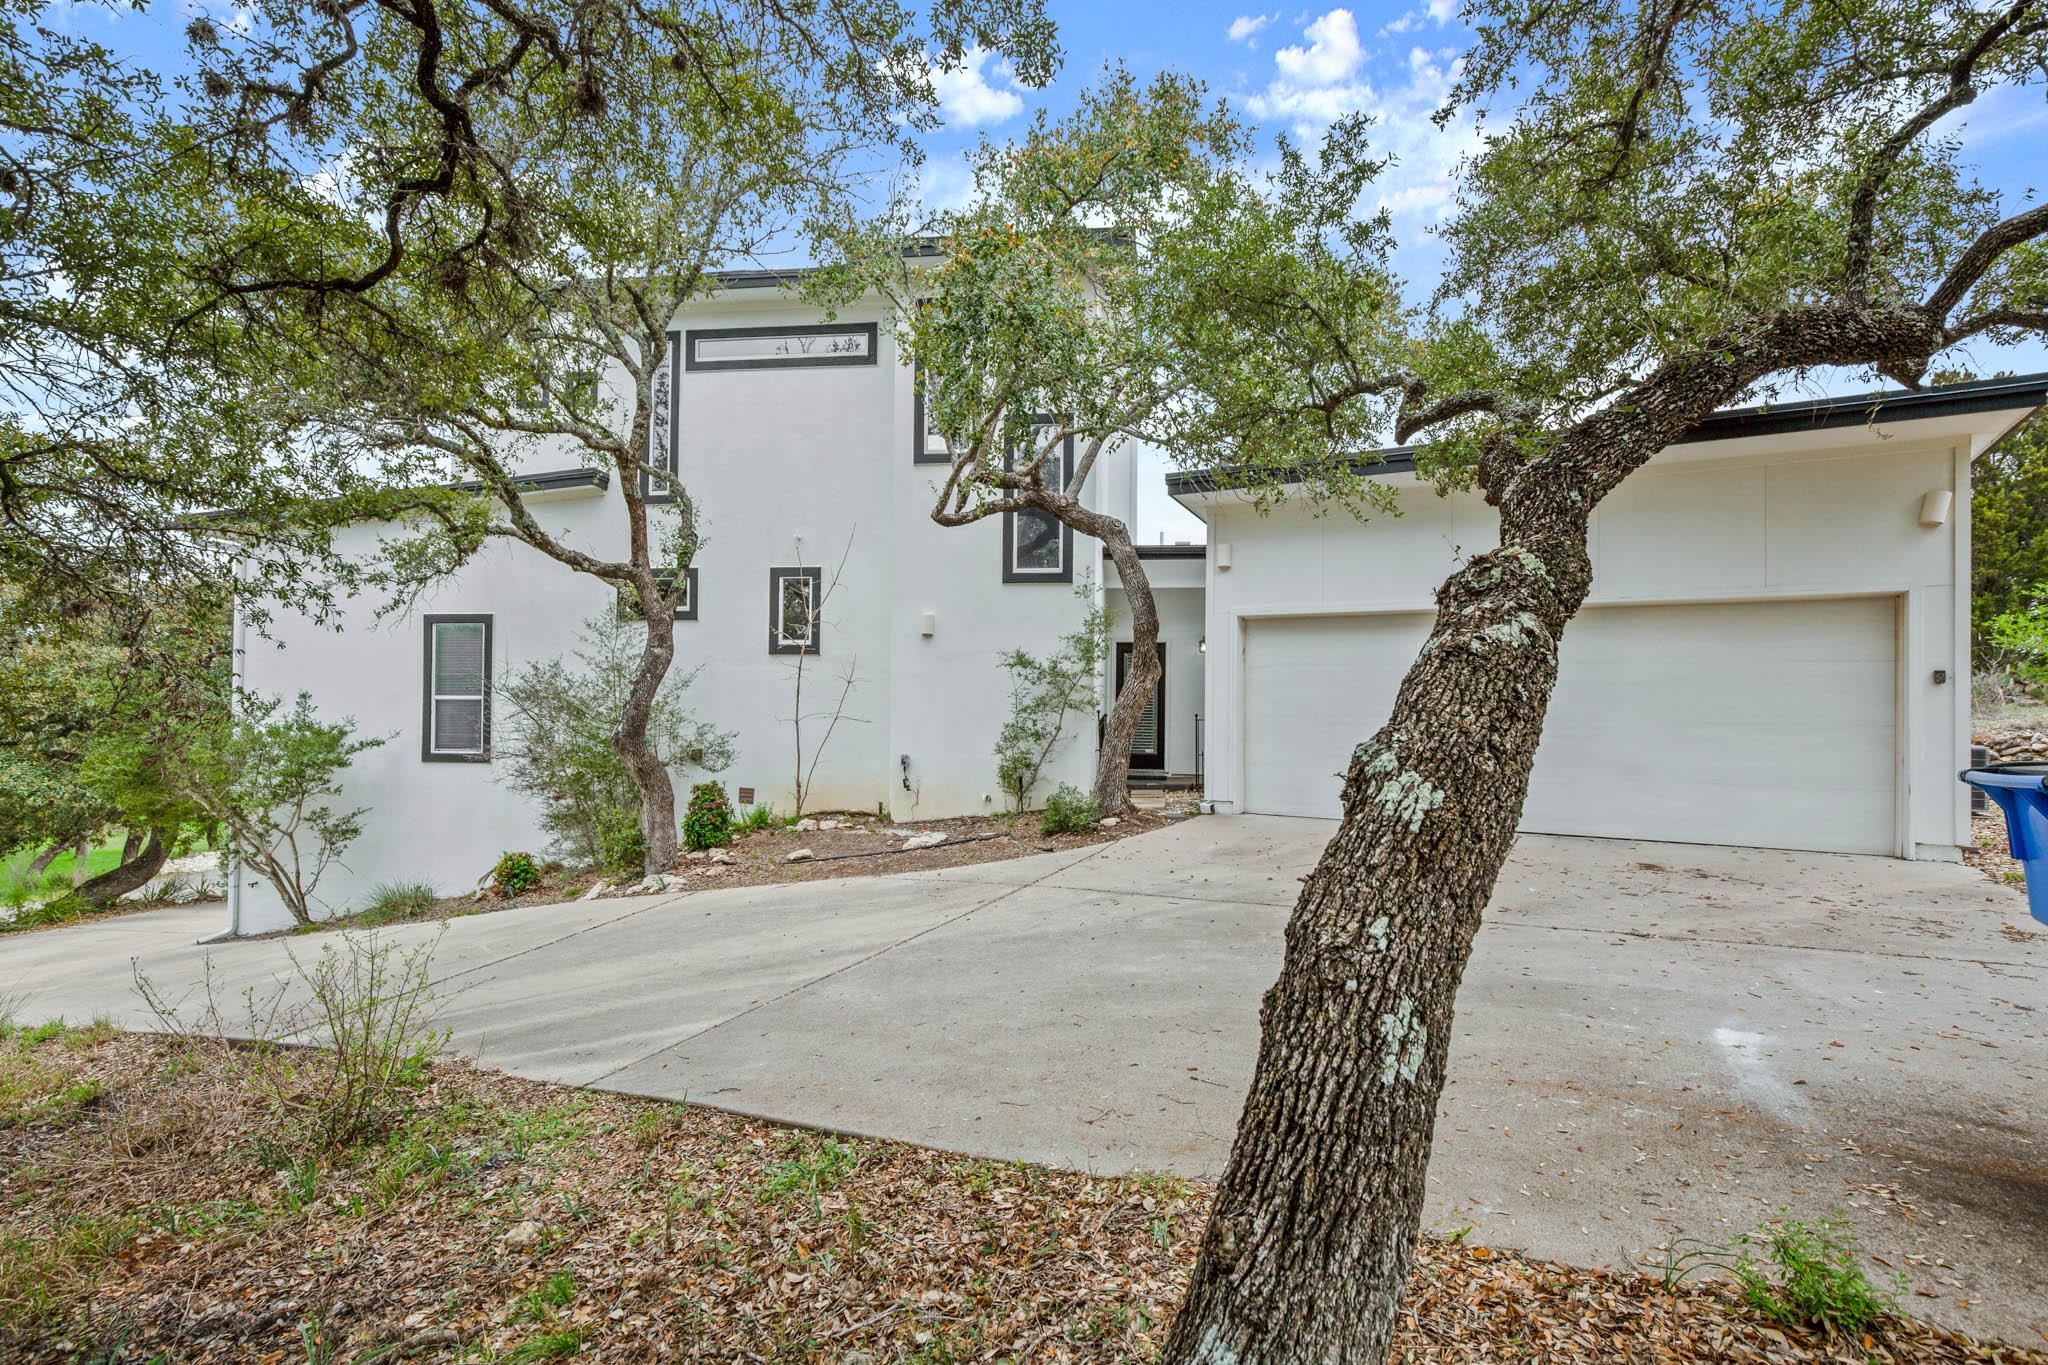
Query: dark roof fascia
[
  {"x": 1172, "y": 551},
  {"x": 1764, "y": 419},
  {"x": 797, "y": 274},
  {"x": 551, "y": 481}
]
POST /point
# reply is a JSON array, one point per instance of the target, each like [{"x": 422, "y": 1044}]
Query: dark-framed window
[
  {"x": 686, "y": 605},
  {"x": 794, "y": 598},
  {"x": 926, "y": 445},
  {"x": 455, "y": 700},
  {"x": 797, "y": 346},
  {"x": 1037, "y": 546},
  {"x": 664, "y": 426}
]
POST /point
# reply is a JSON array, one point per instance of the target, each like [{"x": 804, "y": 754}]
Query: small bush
[
  {"x": 515, "y": 875},
  {"x": 372, "y": 1005},
  {"x": 396, "y": 902},
  {"x": 621, "y": 847},
  {"x": 708, "y": 821},
  {"x": 757, "y": 819},
  {"x": 1069, "y": 810},
  {"x": 63, "y": 910},
  {"x": 1810, "y": 1278}
]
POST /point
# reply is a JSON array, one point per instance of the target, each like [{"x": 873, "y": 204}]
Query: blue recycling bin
[{"x": 2021, "y": 791}]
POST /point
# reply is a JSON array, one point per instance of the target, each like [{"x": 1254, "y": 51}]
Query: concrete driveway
[{"x": 1655, "y": 1040}]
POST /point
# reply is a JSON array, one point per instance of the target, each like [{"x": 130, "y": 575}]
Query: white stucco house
[
  {"x": 801, "y": 444},
  {"x": 1776, "y": 652}
]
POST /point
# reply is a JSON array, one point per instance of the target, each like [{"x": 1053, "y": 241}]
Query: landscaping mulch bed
[
  {"x": 153, "y": 1206},
  {"x": 867, "y": 844}
]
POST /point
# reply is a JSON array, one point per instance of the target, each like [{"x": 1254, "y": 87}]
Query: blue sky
[{"x": 1290, "y": 72}]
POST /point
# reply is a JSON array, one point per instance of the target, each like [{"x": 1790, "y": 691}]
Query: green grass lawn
[{"x": 18, "y": 888}]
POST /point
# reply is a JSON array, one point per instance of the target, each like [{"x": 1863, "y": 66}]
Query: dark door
[{"x": 1148, "y": 743}]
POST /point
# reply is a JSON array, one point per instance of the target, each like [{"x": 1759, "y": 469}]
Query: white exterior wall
[
  {"x": 772, "y": 458},
  {"x": 444, "y": 823},
  {"x": 1820, "y": 514}
]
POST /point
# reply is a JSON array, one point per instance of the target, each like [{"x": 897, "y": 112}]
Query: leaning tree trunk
[
  {"x": 629, "y": 741},
  {"x": 131, "y": 875},
  {"x": 1113, "y": 768},
  {"x": 1308, "y": 1249}
]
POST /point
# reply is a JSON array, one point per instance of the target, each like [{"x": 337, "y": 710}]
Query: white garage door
[{"x": 1769, "y": 724}]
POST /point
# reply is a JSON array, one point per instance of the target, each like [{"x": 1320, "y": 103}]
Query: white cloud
[
  {"x": 1443, "y": 11},
  {"x": 1245, "y": 27},
  {"x": 967, "y": 98},
  {"x": 1329, "y": 78},
  {"x": 1332, "y": 55}
]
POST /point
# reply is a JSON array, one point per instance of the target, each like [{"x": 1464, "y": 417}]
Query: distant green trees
[{"x": 2009, "y": 554}]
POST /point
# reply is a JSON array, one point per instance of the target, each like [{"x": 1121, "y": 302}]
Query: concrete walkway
[{"x": 1655, "y": 1040}]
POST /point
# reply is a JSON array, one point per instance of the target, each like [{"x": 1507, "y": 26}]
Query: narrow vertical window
[
  {"x": 793, "y": 604},
  {"x": 1037, "y": 546},
  {"x": 456, "y": 709},
  {"x": 662, "y": 426},
  {"x": 929, "y": 446}
]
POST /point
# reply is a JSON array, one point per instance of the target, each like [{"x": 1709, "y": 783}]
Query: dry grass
[{"x": 176, "y": 1218}]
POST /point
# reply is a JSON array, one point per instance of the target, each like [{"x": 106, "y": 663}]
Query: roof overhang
[{"x": 1979, "y": 414}]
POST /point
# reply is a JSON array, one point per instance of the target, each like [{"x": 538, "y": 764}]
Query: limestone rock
[
  {"x": 931, "y": 839},
  {"x": 805, "y": 825},
  {"x": 801, "y": 855},
  {"x": 597, "y": 888}
]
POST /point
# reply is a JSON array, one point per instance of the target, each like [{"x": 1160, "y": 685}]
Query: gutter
[{"x": 2027, "y": 391}]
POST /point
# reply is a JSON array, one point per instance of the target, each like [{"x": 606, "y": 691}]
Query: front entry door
[{"x": 1148, "y": 743}]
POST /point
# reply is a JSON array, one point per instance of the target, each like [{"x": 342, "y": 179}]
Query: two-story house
[{"x": 802, "y": 446}]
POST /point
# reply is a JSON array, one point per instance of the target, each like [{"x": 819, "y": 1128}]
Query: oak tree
[
  {"x": 1685, "y": 205},
  {"x": 1029, "y": 319},
  {"x": 466, "y": 230}
]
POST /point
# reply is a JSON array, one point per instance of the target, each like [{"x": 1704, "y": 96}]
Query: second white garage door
[{"x": 1764, "y": 723}]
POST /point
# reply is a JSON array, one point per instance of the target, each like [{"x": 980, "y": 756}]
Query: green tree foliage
[
  {"x": 1035, "y": 334},
  {"x": 268, "y": 780},
  {"x": 102, "y": 714},
  {"x": 2008, "y": 533},
  {"x": 464, "y": 230},
  {"x": 2020, "y": 636},
  {"x": 125, "y": 408},
  {"x": 553, "y": 739},
  {"x": 1044, "y": 693}
]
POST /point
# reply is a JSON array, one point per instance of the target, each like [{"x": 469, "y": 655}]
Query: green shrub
[
  {"x": 756, "y": 819},
  {"x": 1810, "y": 1278},
  {"x": 63, "y": 910},
  {"x": 1069, "y": 810},
  {"x": 708, "y": 822},
  {"x": 621, "y": 847},
  {"x": 395, "y": 902},
  {"x": 552, "y": 729},
  {"x": 1044, "y": 693},
  {"x": 515, "y": 875}
]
